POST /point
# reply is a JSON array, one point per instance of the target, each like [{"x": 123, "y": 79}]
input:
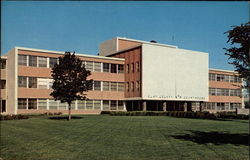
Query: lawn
[{"x": 124, "y": 137}]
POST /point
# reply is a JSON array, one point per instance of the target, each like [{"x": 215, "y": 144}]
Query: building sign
[{"x": 180, "y": 97}]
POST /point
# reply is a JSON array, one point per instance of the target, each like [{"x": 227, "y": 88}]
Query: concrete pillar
[
  {"x": 185, "y": 106},
  {"x": 144, "y": 106},
  {"x": 164, "y": 106},
  {"x": 124, "y": 106}
]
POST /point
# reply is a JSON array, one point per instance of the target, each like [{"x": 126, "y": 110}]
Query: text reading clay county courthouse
[{"x": 127, "y": 75}]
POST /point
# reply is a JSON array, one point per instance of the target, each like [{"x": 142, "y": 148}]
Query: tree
[
  {"x": 70, "y": 80},
  {"x": 239, "y": 53}
]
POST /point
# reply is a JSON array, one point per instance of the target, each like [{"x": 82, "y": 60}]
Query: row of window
[
  {"x": 225, "y": 92},
  {"x": 221, "y": 106},
  {"x": 132, "y": 86},
  {"x": 224, "y": 78},
  {"x": 38, "y": 61},
  {"x": 133, "y": 67},
  {"x": 50, "y": 104},
  {"x": 2, "y": 63}
]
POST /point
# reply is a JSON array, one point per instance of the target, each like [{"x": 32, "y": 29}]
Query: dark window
[
  {"x": 42, "y": 61},
  {"x": 3, "y": 64},
  {"x": 32, "y": 82},
  {"x": 97, "y": 85},
  {"x": 112, "y": 105},
  {"x": 22, "y": 60},
  {"x": 2, "y": 84},
  {"x": 33, "y": 61},
  {"x": 113, "y": 68},
  {"x": 22, "y": 81},
  {"x": 22, "y": 103},
  {"x": 120, "y": 68},
  {"x": 105, "y": 67},
  {"x": 32, "y": 104},
  {"x": 52, "y": 62}
]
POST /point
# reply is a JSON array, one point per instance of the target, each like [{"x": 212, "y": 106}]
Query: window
[
  {"x": 113, "y": 86},
  {"x": 113, "y": 68},
  {"x": 3, "y": 64},
  {"x": 22, "y": 81},
  {"x": 120, "y": 68},
  {"x": 52, "y": 62},
  {"x": 97, "y": 67},
  {"x": 227, "y": 106},
  {"x": 42, "y": 103},
  {"x": 63, "y": 106},
  {"x": 218, "y": 92},
  {"x": 132, "y": 86},
  {"x": 32, "y": 82},
  {"x": 22, "y": 103},
  {"x": 89, "y": 66},
  {"x": 32, "y": 104},
  {"x": 220, "y": 77},
  {"x": 225, "y": 92},
  {"x": 89, "y": 104},
  {"x": 53, "y": 104},
  {"x": 137, "y": 67},
  {"x": 105, "y": 105},
  {"x": 73, "y": 105},
  {"x": 127, "y": 86},
  {"x": 51, "y": 81},
  {"x": 81, "y": 104},
  {"x": 42, "y": 83},
  {"x": 227, "y": 78},
  {"x": 220, "y": 106},
  {"x": 211, "y": 77},
  {"x": 97, "y": 85},
  {"x": 97, "y": 104},
  {"x": 120, "y": 105},
  {"x": 42, "y": 62},
  {"x": 33, "y": 61},
  {"x": 112, "y": 105},
  {"x": 137, "y": 85},
  {"x": 22, "y": 60},
  {"x": 120, "y": 86},
  {"x": 105, "y": 86},
  {"x": 132, "y": 68},
  {"x": 105, "y": 67},
  {"x": 212, "y": 91},
  {"x": 2, "y": 84},
  {"x": 127, "y": 69}
]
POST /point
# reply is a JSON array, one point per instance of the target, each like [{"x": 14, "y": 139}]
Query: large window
[
  {"x": 22, "y": 81},
  {"x": 53, "y": 104},
  {"x": 42, "y": 83},
  {"x": 113, "y": 68},
  {"x": 32, "y": 104},
  {"x": 106, "y": 86},
  {"x": 63, "y": 106},
  {"x": 81, "y": 104},
  {"x": 22, "y": 103},
  {"x": 120, "y": 86},
  {"x": 2, "y": 84},
  {"x": 120, "y": 105},
  {"x": 211, "y": 76},
  {"x": 97, "y": 85},
  {"x": 33, "y": 61},
  {"x": 89, "y": 104},
  {"x": 42, "y": 61},
  {"x": 120, "y": 68},
  {"x": 106, "y": 67},
  {"x": 42, "y": 103},
  {"x": 113, "y": 105},
  {"x": 22, "y": 60},
  {"x": 113, "y": 86},
  {"x": 89, "y": 66},
  {"x": 212, "y": 91},
  {"x": 97, "y": 67},
  {"x": 105, "y": 105},
  {"x": 52, "y": 62},
  {"x": 97, "y": 104},
  {"x": 220, "y": 77},
  {"x": 32, "y": 82},
  {"x": 3, "y": 64}
]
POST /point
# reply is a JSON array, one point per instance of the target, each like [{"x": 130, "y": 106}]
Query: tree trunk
[{"x": 69, "y": 116}]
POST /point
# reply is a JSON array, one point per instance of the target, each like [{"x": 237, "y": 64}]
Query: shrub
[{"x": 13, "y": 117}]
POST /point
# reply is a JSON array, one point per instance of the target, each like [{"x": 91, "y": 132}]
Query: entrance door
[{"x": 3, "y": 106}]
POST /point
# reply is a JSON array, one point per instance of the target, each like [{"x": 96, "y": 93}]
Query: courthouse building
[{"x": 127, "y": 75}]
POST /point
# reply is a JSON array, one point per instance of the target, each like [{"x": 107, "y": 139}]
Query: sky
[{"x": 81, "y": 26}]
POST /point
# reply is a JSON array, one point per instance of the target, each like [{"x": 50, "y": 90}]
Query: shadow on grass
[
  {"x": 64, "y": 118},
  {"x": 216, "y": 138}
]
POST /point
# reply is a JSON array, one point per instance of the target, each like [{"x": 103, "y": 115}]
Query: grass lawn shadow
[
  {"x": 64, "y": 117},
  {"x": 217, "y": 138}
]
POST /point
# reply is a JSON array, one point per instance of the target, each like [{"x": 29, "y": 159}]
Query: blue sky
[{"x": 81, "y": 26}]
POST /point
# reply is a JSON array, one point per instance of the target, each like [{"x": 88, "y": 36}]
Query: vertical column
[
  {"x": 144, "y": 106},
  {"x": 124, "y": 106},
  {"x": 185, "y": 106},
  {"x": 164, "y": 106}
]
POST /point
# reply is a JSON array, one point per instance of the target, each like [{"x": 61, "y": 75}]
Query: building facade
[{"x": 128, "y": 75}]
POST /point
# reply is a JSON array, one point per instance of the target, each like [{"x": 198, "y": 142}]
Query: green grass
[{"x": 124, "y": 137}]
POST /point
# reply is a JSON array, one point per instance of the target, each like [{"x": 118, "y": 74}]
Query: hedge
[
  {"x": 181, "y": 114},
  {"x": 13, "y": 117}
]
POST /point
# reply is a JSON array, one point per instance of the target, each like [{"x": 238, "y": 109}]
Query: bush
[
  {"x": 52, "y": 113},
  {"x": 13, "y": 117}
]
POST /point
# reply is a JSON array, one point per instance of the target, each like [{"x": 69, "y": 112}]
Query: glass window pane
[
  {"x": 32, "y": 82},
  {"x": 22, "y": 103},
  {"x": 106, "y": 67},
  {"x": 52, "y": 62},
  {"x": 3, "y": 64},
  {"x": 113, "y": 68},
  {"x": 106, "y": 86},
  {"x": 22, "y": 60},
  {"x": 113, "y": 86},
  {"x": 97, "y": 104},
  {"x": 97, "y": 85},
  {"x": 89, "y": 66},
  {"x": 22, "y": 81},
  {"x": 105, "y": 105},
  {"x": 32, "y": 104},
  {"x": 53, "y": 104},
  {"x": 120, "y": 86},
  {"x": 42, "y": 83},
  {"x": 97, "y": 66},
  {"x": 42, "y": 103},
  {"x": 120, "y": 68},
  {"x": 120, "y": 105},
  {"x": 89, "y": 104},
  {"x": 42, "y": 61},
  {"x": 63, "y": 106},
  {"x": 81, "y": 104},
  {"x": 113, "y": 105},
  {"x": 2, "y": 84},
  {"x": 33, "y": 61}
]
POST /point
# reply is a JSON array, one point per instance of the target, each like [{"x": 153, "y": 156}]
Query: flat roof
[
  {"x": 78, "y": 54},
  {"x": 221, "y": 70}
]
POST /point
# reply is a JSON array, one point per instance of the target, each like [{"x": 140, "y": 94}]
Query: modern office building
[{"x": 128, "y": 75}]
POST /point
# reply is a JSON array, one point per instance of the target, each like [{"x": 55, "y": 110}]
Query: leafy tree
[
  {"x": 239, "y": 38},
  {"x": 70, "y": 80}
]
